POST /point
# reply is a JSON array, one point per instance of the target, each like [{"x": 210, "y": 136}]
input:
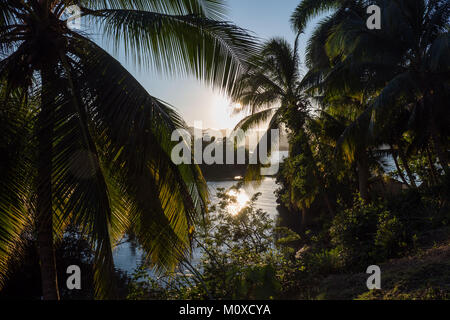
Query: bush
[
  {"x": 353, "y": 232},
  {"x": 240, "y": 258},
  {"x": 25, "y": 277},
  {"x": 366, "y": 234},
  {"x": 391, "y": 236},
  {"x": 326, "y": 261}
]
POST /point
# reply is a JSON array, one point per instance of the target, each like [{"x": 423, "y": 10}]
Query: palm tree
[
  {"x": 415, "y": 48},
  {"x": 271, "y": 90},
  {"x": 270, "y": 87},
  {"x": 338, "y": 93},
  {"x": 84, "y": 143},
  {"x": 384, "y": 69}
]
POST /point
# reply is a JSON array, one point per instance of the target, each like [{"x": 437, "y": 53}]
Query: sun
[
  {"x": 242, "y": 200},
  {"x": 222, "y": 112}
]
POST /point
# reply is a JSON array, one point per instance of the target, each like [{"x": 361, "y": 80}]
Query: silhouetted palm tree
[
  {"x": 271, "y": 90},
  {"x": 84, "y": 143},
  {"x": 382, "y": 74}
]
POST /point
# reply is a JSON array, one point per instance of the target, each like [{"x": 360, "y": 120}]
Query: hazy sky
[{"x": 197, "y": 102}]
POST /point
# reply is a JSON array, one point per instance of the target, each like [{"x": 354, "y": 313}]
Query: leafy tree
[{"x": 237, "y": 257}]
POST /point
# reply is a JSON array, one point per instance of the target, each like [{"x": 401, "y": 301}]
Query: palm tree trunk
[
  {"x": 400, "y": 171},
  {"x": 434, "y": 174},
  {"x": 44, "y": 214},
  {"x": 404, "y": 160},
  {"x": 363, "y": 176}
]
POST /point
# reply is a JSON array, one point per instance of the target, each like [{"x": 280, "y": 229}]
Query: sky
[{"x": 197, "y": 102}]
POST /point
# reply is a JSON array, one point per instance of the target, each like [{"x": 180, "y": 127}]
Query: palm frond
[
  {"x": 16, "y": 177},
  {"x": 213, "y": 9},
  {"x": 255, "y": 119},
  {"x": 80, "y": 187},
  {"x": 370, "y": 122},
  {"x": 439, "y": 54},
  {"x": 133, "y": 132},
  {"x": 308, "y": 9},
  {"x": 214, "y": 51}
]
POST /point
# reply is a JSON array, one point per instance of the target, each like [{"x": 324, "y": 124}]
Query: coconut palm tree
[
  {"x": 270, "y": 87},
  {"x": 84, "y": 143},
  {"x": 409, "y": 57},
  {"x": 271, "y": 91},
  {"x": 338, "y": 91},
  {"x": 384, "y": 69}
]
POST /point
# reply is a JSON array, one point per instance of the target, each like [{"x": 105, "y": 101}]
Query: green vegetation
[
  {"x": 368, "y": 97},
  {"x": 84, "y": 144},
  {"x": 239, "y": 258},
  {"x": 86, "y": 149},
  {"x": 249, "y": 256}
]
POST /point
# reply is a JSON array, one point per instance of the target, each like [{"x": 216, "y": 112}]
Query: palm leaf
[
  {"x": 134, "y": 131},
  {"x": 16, "y": 181},
  {"x": 211, "y": 50},
  {"x": 308, "y": 9}
]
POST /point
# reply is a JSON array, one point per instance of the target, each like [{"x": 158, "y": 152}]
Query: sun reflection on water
[{"x": 242, "y": 200}]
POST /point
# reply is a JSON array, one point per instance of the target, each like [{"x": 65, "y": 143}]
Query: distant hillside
[
  {"x": 229, "y": 171},
  {"x": 252, "y": 136}
]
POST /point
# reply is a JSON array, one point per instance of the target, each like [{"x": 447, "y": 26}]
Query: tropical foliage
[
  {"x": 271, "y": 91},
  {"x": 367, "y": 95},
  {"x": 238, "y": 256},
  {"x": 371, "y": 107},
  {"x": 84, "y": 144}
]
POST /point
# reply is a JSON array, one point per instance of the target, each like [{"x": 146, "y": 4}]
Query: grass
[{"x": 422, "y": 276}]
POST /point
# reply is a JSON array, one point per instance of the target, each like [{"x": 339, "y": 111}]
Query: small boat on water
[{"x": 238, "y": 178}]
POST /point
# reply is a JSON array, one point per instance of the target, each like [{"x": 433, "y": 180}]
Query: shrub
[
  {"x": 326, "y": 261},
  {"x": 240, "y": 258},
  {"x": 353, "y": 233},
  {"x": 391, "y": 236}
]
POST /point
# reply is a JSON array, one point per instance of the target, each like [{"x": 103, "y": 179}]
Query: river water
[{"x": 127, "y": 258}]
